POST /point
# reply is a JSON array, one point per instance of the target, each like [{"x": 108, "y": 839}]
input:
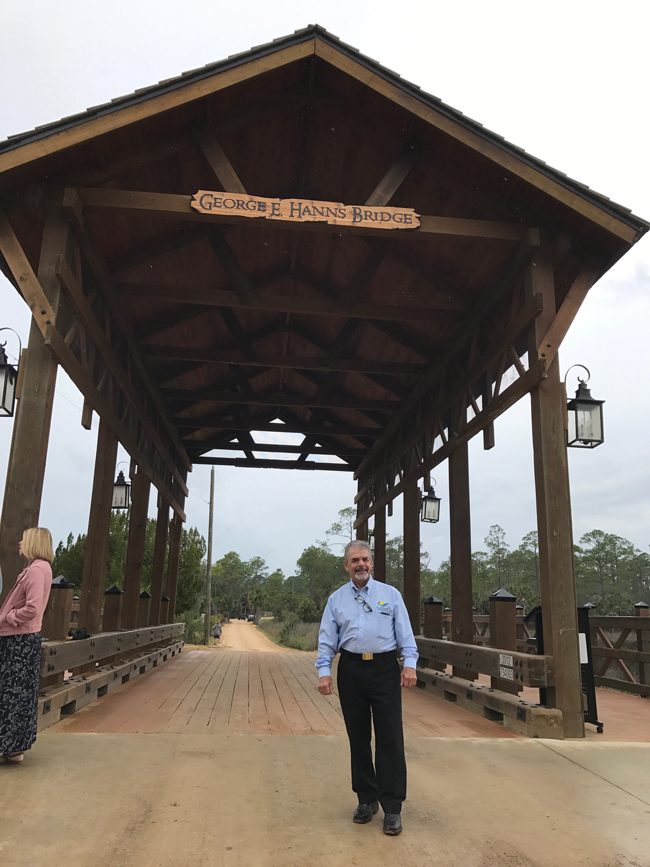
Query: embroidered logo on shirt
[{"x": 384, "y": 607}]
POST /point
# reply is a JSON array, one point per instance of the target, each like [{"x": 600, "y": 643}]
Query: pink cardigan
[{"x": 22, "y": 610}]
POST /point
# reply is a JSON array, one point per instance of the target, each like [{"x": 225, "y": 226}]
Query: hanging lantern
[
  {"x": 585, "y": 418},
  {"x": 121, "y": 492},
  {"x": 430, "y": 507},
  {"x": 8, "y": 380}
]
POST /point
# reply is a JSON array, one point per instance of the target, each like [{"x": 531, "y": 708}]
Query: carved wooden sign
[{"x": 304, "y": 210}]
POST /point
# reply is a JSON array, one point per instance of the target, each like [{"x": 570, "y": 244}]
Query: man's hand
[
  {"x": 409, "y": 677},
  {"x": 325, "y": 685}
]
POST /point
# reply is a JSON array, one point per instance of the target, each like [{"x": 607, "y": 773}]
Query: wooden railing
[
  {"x": 620, "y": 647},
  {"x": 74, "y": 673},
  {"x": 508, "y": 667}
]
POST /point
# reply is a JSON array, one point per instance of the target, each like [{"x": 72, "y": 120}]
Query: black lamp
[
  {"x": 8, "y": 379},
  {"x": 121, "y": 492},
  {"x": 585, "y": 416},
  {"x": 430, "y": 507}
]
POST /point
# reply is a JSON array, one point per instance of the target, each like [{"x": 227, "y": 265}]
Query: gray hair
[{"x": 356, "y": 543}]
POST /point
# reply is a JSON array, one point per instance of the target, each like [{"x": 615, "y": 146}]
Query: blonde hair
[{"x": 37, "y": 544}]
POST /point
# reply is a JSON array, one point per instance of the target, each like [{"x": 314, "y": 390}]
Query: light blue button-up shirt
[{"x": 349, "y": 625}]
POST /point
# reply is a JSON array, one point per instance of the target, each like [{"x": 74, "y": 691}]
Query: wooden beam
[
  {"x": 393, "y": 179},
  {"x": 557, "y": 330},
  {"x": 158, "y": 563},
  {"x": 276, "y": 448},
  {"x": 94, "y": 567},
  {"x": 269, "y": 464},
  {"x": 379, "y": 535},
  {"x": 499, "y": 404},
  {"x": 441, "y": 119},
  {"x": 174, "y": 206},
  {"x": 557, "y": 581},
  {"x": 171, "y": 583},
  {"x": 462, "y": 622},
  {"x": 207, "y": 422},
  {"x": 291, "y": 304},
  {"x": 412, "y": 594},
  {"x": 38, "y": 371},
  {"x": 452, "y": 389},
  {"x": 173, "y": 454},
  {"x": 135, "y": 548},
  {"x": 217, "y": 160},
  {"x": 234, "y": 397},
  {"x": 117, "y": 117},
  {"x": 324, "y": 362}
]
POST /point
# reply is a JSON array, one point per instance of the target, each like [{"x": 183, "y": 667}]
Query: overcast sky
[{"x": 569, "y": 85}]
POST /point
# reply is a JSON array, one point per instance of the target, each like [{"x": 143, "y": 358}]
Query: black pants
[{"x": 371, "y": 690}]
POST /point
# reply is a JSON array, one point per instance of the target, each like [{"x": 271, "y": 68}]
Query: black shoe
[
  {"x": 392, "y": 824},
  {"x": 365, "y": 812}
]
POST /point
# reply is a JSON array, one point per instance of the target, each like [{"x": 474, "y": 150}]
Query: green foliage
[
  {"x": 343, "y": 529},
  {"x": 194, "y": 628},
  {"x": 319, "y": 572}
]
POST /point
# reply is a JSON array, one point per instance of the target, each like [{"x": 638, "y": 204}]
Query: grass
[{"x": 300, "y": 636}]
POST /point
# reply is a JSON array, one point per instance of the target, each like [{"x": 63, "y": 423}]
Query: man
[{"x": 367, "y": 622}]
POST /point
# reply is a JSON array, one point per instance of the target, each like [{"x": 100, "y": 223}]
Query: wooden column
[
  {"x": 362, "y": 530},
  {"x": 31, "y": 425},
  {"x": 112, "y": 616},
  {"x": 641, "y": 609},
  {"x": 56, "y": 617},
  {"x": 557, "y": 581},
  {"x": 135, "y": 548},
  {"x": 159, "y": 557},
  {"x": 175, "y": 533},
  {"x": 379, "y": 557},
  {"x": 433, "y": 627},
  {"x": 411, "y": 503},
  {"x": 462, "y": 622},
  {"x": 94, "y": 570}
]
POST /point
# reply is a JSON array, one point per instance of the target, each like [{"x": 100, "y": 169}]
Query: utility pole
[{"x": 208, "y": 571}]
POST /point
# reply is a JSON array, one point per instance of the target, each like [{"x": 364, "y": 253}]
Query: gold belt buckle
[{"x": 367, "y": 657}]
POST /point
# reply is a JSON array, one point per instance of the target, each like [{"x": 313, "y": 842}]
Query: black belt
[{"x": 369, "y": 656}]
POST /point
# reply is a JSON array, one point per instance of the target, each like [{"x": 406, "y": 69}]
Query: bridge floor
[{"x": 226, "y": 758}]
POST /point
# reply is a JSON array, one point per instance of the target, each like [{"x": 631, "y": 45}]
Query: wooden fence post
[
  {"x": 112, "y": 617},
  {"x": 503, "y": 634}
]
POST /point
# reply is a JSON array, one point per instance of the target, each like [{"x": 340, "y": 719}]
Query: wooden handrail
[
  {"x": 523, "y": 668},
  {"x": 59, "y": 656}
]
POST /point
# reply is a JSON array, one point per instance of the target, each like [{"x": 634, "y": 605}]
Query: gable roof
[{"x": 31, "y": 145}]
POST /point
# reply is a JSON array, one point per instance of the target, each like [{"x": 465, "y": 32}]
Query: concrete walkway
[{"x": 151, "y": 800}]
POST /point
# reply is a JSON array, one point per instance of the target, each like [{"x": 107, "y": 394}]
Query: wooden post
[
  {"x": 379, "y": 556},
  {"x": 557, "y": 581},
  {"x": 164, "y": 608},
  {"x": 31, "y": 430},
  {"x": 641, "y": 609},
  {"x": 144, "y": 609},
  {"x": 56, "y": 619},
  {"x": 362, "y": 530},
  {"x": 135, "y": 548},
  {"x": 175, "y": 533},
  {"x": 503, "y": 633},
  {"x": 94, "y": 570},
  {"x": 433, "y": 627},
  {"x": 158, "y": 565},
  {"x": 112, "y": 617},
  {"x": 462, "y": 619},
  {"x": 411, "y": 501}
]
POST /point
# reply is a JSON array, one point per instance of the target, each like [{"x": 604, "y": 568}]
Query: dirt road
[{"x": 240, "y": 635}]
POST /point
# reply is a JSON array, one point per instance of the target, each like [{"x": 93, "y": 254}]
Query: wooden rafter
[
  {"x": 171, "y": 205},
  {"x": 276, "y": 303},
  {"x": 268, "y": 359},
  {"x": 235, "y": 397},
  {"x": 270, "y": 464}
]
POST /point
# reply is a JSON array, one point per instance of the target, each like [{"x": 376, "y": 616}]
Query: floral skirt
[{"x": 20, "y": 665}]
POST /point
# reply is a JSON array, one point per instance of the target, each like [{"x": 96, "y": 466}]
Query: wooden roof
[{"x": 351, "y": 337}]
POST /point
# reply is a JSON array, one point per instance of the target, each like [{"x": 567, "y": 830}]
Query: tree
[
  {"x": 343, "y": 529},
  {"x": 321, "y": 571},
  {"x": 191, "y": 570}
]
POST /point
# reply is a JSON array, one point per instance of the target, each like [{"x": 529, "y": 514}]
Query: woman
[{"x": 21, "y": 616}]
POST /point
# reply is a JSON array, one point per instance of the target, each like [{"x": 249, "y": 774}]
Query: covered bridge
[{"x": 366, "y": 267}]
